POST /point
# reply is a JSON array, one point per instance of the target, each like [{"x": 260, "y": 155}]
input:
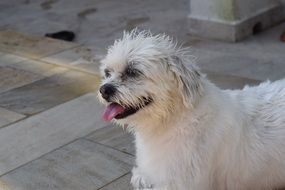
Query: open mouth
[{"x": 117, "y": 111}]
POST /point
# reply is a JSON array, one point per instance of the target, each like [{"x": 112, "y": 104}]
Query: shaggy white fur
[{"x": 191, "y": 135}]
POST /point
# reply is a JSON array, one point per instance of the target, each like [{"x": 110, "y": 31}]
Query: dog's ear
[{"x": 188, "y": 80}]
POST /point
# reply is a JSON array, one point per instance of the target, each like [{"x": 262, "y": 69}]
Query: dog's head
[{"x": 145, "y": 76}]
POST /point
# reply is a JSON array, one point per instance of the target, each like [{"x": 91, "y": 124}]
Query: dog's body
[
  {"x": 232, "y": 140},
  {"x": 190, "y": 135}
]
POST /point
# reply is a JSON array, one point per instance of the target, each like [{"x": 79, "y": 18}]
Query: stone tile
[
  {"x": 31, "y": 46},
  {"x": 7, "y": 117},
  {"x": 115, "y": 137},
  {"x": 37, "y": 67},
  {"x": 35, "y": 136},
  {"x": 11, "y": 78},
  {"x": 6, "y": 58},
  {"x": 49, "y": 92},
  {"x": 230, "y": 82},
  {"x": 79, "y": 165},
  {"x": 123, "y": 183},
  {"x": 16, "y": 71},
  {"x": 85, "y": 58},
  {"x": 32, "y": 66}
]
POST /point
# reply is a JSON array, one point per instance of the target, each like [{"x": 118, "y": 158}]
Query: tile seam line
[
  {"x": 47, "y": 77},
  {"x": 85, "y": 138},
  {"x": 7, "y": 125},
  {"x": 10, "y": 171},
  {"x": 65, "y": 66},
  {"x": 40, "y": 57},
  {"x": 29, "y": 116},
  {"x": 60, "y": 51},
  {"x": 31, "y": 82},
  {"x": 77, "y": 139},
  {"x": 114, "y": 180},
  {"x": 75, "y": 68}
]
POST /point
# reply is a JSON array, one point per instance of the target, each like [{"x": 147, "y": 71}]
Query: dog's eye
[
  {"x": 131, "y": 72},
  {"x": 107, "y": 73}
]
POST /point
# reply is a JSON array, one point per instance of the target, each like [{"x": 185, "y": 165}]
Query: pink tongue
[{"x": 112, "y": 111}]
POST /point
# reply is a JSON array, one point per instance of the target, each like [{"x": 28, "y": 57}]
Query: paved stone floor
[{"x": 51, "y": 133}]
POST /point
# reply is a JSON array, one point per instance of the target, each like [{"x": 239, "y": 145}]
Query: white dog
[{"x": 191, "y": 135}]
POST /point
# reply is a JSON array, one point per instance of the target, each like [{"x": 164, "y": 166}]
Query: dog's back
[
  {"x": 264, "y": 106},
  {"x": 266, "y": 103}
]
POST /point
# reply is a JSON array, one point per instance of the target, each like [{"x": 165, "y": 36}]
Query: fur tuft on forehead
[{"x": 143, "y": 45}]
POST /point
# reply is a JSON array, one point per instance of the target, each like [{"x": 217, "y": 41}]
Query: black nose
[{"x": 107, "y": 90}]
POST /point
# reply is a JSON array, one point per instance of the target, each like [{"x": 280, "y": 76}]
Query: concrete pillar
[{"x": 233, "y": 20}]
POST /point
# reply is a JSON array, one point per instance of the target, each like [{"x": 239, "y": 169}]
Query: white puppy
[{"x": 191, "y": 135}]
